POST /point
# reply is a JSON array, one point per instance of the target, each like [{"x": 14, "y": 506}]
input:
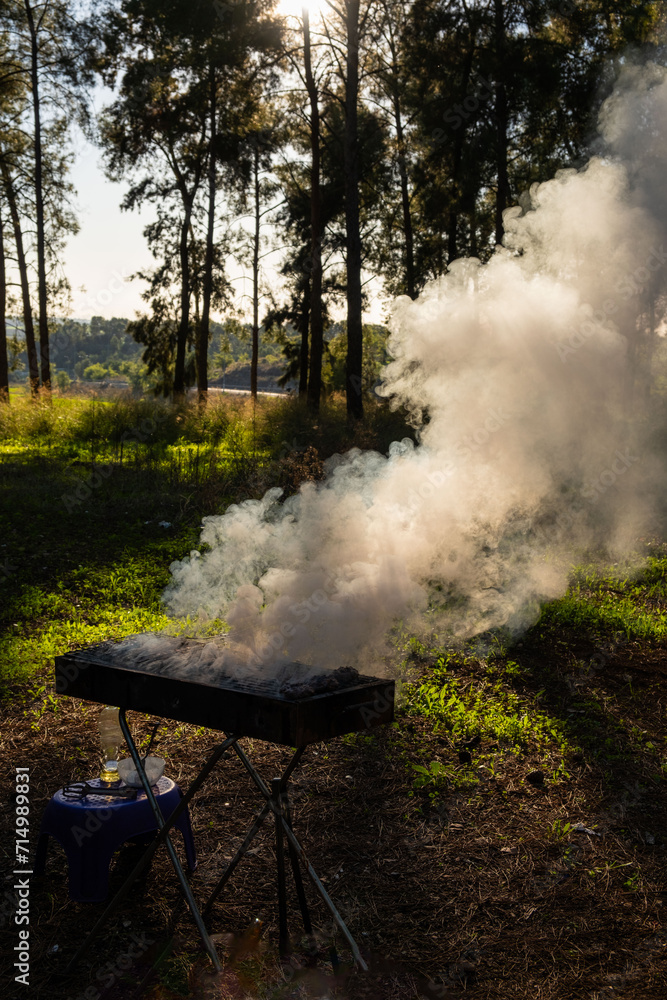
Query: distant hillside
[{"x": 237, "y": 376}]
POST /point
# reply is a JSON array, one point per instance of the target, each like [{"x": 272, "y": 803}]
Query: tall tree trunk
[
  {"x": 353, "y": 366},
  {"x": 39, "y": 206},
  {"x": 203, "y": 332},
  {"x": 473, "y": 231},
  {"x": 316, "y": 331},
  {"x": 405, "y": 198},
  {"x": 459, "y": 142},
  {"x": 303, "y": 351},
  {"x": 183, "y": 329},
  {"x": 502, "y": 124},
  {"x": 455, "y": 197},
  {"x": 255, "y": 278},
  {"x": 396, "y": 88},
  {"x": 452, "y": 234},
  {"x": 31, "y": 347},
  {"x": 4, "y": 361}
]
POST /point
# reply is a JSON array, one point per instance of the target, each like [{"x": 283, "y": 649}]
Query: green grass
[
  {"x": 480, "y": 706},
  {"x": 628, "y": 603},
  {"x": 273, "y": 427},
  {"x": 519, "y": 710},
  {"x": 606, "y": 615},
  {"x": 85, "y": 484},
  {"x": 87, "y": 604},
  {"x": 487, "y": 709},
  {"x": 74, "y": 572}
]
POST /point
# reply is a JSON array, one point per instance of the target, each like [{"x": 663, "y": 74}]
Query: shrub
[{"x": 97, "y": 372}]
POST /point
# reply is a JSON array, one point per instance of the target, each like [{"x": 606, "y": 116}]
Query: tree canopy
[{"x": 364, "y": 148}]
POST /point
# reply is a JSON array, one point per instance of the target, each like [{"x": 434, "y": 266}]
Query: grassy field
[
  {"x": 504, "y": 838},
  {"x": 99, "y": 496}
]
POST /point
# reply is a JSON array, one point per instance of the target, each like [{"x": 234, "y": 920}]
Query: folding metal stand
[{"x": 277, "y": 802}]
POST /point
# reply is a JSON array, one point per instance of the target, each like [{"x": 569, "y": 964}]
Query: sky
[{"x": 110, "y": 247}]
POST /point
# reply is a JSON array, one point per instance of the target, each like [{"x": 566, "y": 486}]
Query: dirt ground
[{"x": 471, "y": 895}]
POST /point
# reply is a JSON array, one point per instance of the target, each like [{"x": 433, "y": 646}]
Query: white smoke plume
[{"x": 523, "y": 368}]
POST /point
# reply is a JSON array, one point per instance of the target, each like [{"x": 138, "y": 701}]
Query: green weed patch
[
  {"x": 628, "y": 605},
  {"x": 465, "y": 708}
]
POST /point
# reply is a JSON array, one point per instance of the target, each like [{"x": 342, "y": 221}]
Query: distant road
[
  {"x": 193, "y": 388},
  {"x": 246, "y": 392}
]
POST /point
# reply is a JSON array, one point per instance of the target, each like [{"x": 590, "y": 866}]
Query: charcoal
[
  {"x": 296, "y": 691},
  {"x": 335, "y": 680}
]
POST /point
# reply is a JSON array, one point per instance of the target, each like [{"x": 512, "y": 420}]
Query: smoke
[{"x": 522, "y": 376}]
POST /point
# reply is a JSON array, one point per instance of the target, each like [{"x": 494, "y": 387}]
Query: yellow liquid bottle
[{"x": 111, "y": 739}]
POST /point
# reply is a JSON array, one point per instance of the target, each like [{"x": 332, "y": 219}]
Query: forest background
[{"x": 370, "y": 144}]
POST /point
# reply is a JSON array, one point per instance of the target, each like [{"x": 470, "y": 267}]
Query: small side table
[{"x": 92, "y": 828}]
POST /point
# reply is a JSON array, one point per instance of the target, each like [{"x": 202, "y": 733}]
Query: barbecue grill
[
  {"x": 246, "y": 704},
  {"x": 291, "y": 713}
]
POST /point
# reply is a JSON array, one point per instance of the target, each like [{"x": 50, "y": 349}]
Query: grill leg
[
  {"x": 159, "y": 819},
  {"x": 300, "y": 853},
  {"x": 252, "y": 832},
  {"x": 296, "y": 871},
  {"x": 145, "y": 858},
  {"x": 276, "y": 805},
  {"x": 325, "y": 896}
]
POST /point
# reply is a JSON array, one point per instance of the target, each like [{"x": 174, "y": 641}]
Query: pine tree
[
  {"x": 52, "y": 54},
  {"x": 184, "y": 72}
]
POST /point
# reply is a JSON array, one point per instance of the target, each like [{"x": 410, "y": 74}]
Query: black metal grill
[{"x": 245, "y": 705}]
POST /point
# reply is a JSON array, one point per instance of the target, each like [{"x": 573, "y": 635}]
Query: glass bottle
[{"x": 111, "y": 739}]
